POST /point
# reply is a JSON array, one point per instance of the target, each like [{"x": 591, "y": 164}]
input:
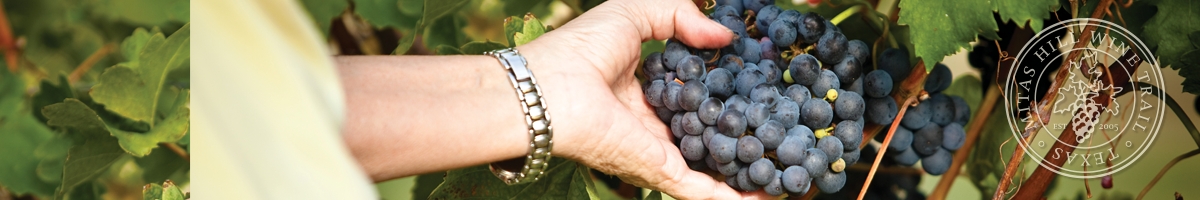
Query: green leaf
[
  {"x": 446, "y": 31},
  {"x": 1021, "y": 11},
  {"x": 323, "y": 12},
  {"x": 52, "y": 153},
  {"x": 447, "y": 50},
  {"x": 152, "y": 191},
  {"x": 50, "y": 94},
  {"x": 384, "y": 13},
  {"x": 655, "y": 195},
  {"x": 171, "y": 192},
  {"x": 519, "y": 7},
  {"x": 532, "y": 29},
  {"x": 1190, "y": 71},
  {"x": 12, "y": 93},
  {"x": 74, "y": 114},
  {"x": 144, "y": 12},
  {"x": 942, "y": 27},
  {"x": 132, "y": 89},
  {"x": 20, "y": 136},
  {"x": 563, "y": 180},
  {"x": 1168, "y": 31},
  {"x": 433, "y": 10},
  {"x": 480, "y": 47},
  {"x": 160, "y": 165},
  {"x": 512, "y": 26},
  {"x": 87, "y": 161},
  {"x": 426, "y": 183}
]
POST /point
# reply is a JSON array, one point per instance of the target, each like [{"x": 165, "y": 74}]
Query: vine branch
[
  {"x": 912, "y": 87},
  {"x": 1164, "y": 171},
  {"x": 178, "y": 150},
  {"x": 89, "y": 62}
]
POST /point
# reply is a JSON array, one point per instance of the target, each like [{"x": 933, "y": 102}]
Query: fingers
[
  {"x": 680, "y": 19},
  {"x": 684, "y": 183}
]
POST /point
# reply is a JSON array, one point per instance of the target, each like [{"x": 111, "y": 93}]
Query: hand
[{"x": 599, "y": 112}]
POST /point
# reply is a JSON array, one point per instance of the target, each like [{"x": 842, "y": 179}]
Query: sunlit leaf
[
  {"x": 942, "y": 27},
  {"x": 132, "y": 89}
]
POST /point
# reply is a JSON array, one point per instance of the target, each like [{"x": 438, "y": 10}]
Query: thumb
[{"x": 683, "y": 21}]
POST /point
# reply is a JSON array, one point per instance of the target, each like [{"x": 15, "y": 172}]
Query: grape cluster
[
  {"x": 778, "y": 109},
  {"x": 929, "y": 131}
]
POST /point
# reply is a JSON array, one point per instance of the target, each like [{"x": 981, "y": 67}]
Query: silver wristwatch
[{"x": 540, "y": 132}]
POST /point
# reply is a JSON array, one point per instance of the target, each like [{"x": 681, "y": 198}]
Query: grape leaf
[
  {"x": 50, "y": 94},
  {"x": 1168, "y": 30},
  {"x": 171, "y": 192},
  {"x": 145, "y": 12},
  {"x": 512, "y": 26},
  {"x": 74, "y": 114},
  {"x": 132, "y": 89},
  {"x": 87, "y": 161},
  {"x": 563, "y": 180},
  {"x": 531, "y": 29},
  {"x": 384, "y": 13},
  {"x": 447, "y": 50},
  {"x": 1020, "y": 11},
  {"x": 159, "y": 165},
  {"x": 480, "y": 47},
  {"x": 433, "y": 9},
  {"x": 941, "y": 27},
  {"x": 20, "y": 136},
  {"x": 152, "y": 191},
  {"x": 323, "y": 12},
  {"x": 446, "y": 31}
]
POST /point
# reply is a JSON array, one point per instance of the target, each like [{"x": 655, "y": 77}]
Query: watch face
[{"x": 1103, "y": 117}]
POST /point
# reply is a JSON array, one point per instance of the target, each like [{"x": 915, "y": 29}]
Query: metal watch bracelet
[{"x": 537, "y": 159}]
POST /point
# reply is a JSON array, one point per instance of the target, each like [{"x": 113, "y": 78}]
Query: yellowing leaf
[{"x": 132, "y": 89}]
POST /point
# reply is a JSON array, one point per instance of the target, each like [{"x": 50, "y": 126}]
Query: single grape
[
  {"x": 752, "y": 51},
  {"x": 708, "y": 160},
  {"x": 953, "y": 136},
  {"x": 743, "y": 180},
  {"x": 962, "y": 111},
  {"x": 798, "y": 93},
  {"x": 852, "y": 156},
  {"x": 791, "y": 151},
  {"x": 691, "y": 68},
  {"x": 782, "y": 33},
  {"x": 938, "y": 162},
  {"x": 674, "y": 53},
  {"x": 691, "y": 124},
  {"x": 709, "y": 110},
  {"x": 736, "y": 25},
  {"x": 816, "y": 113},
  {"x": 719, "y": 82},
  {"x": 859, "y": 50},
  {"x": 811, "y": 28},
  {"x": 848, "y": 69},
  {"x": 895, "y": 63},
  {"x": 761, "y": 171},
  {"x": 737, "y": 103},
  {"x": 804, "y": 69},
  {"x": 708, "y": 134},
  {"x": 908, "y": 157},
  {"x": 654, "y": 93},
  {"x": 757, "y": 114},
  {"x": 795, "y": 179},
  {"x": 832, "y": 47},
  {"x": 787, "y": 112},
  {"x": 1107, "y": 182},
  {"x": 677, "y": 126},
  {"x": 916, "y": 117},
  {"x": 832, "y": 147},
  {"x": 881, "y": 110},
  {"x": 731, "y": 123},
  {"x": 664, "y": 114},
  {"x": 692, "y": 147},
  {"x": 850, "y": 106},
  {"x": 653, "y": 66},
  {"x": 770, "y": 71},
  {"x": 827, "y": 81},
  {"x": 877, "y": 84},
  {"x": 941, "y": 109},
  {"x": 769, "y": 51},
  {"x": 765, "y": 16},
  {"x": 771, "y": 134},
  {"x": 731, "y": 180},
  {"x": 804, "y": 134},
  {"x": 939, "y": 79},
  {"x": 694, "y": 92},
  {"x": 757, "y": 5},
  {"x": 731, "y": 62},
  {"x": 901, "y": 140},
  {"x": 747, "y": 80},
  {"x": 815, "y": 162},
  {"x": 830, "y": 182},
  {"x": 671, "y": 96},
  {"x": 749, "y": 149},
  {"x": 729, "y": 169},
  {"x": 927, "y": 140},
  {"x": 850, "y": 133},
  {"x": 723, "y": 148},
  {"x": 727, "y": 8},
  {"x": 856, "y": 86},
  {"x": 765, "y": 94},
  {"x": 775, "y": 187}
]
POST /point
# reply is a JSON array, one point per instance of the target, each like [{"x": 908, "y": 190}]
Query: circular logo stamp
[{"x": 1102, "y": 118}]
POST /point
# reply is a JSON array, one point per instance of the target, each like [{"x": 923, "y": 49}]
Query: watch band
[{"x": 537, "y": 158}]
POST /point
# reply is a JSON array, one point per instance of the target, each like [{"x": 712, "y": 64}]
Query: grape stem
[
  {"x": 90, "y": 61},
  {"x": 1164, "y": 171},
  {"x": 845, "y": 14},
  {"x": 1183, "y": 117},
  {"x": 976, "y": 126},
  {"x": 7, "y": 42},
  {"x": 886, "y": 141},
  {"x": 887, "y": 170},
  {"x": 178, "y": 150}
]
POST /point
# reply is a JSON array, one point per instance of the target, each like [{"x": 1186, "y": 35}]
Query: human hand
[{"x": 600, "y": 115}]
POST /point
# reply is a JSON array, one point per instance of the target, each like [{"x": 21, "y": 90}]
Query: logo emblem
[{"x": 1109, "y": 118}]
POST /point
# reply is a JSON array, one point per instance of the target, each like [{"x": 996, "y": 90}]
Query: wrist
[{"x": 555, "y": 79}]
